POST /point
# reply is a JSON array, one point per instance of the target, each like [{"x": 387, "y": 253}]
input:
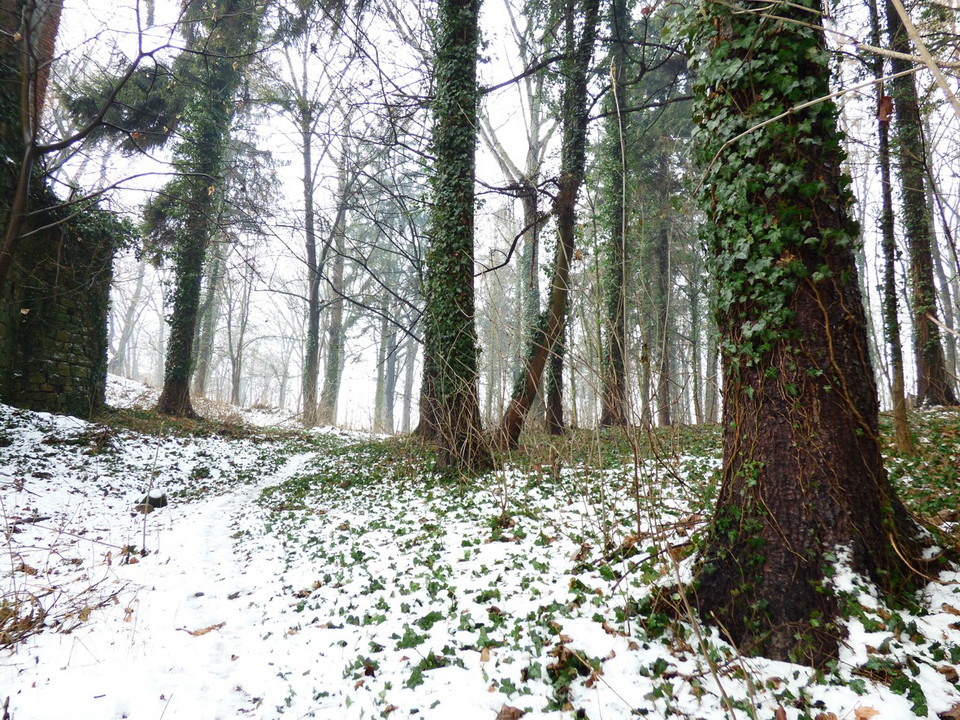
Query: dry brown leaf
[
  {"x": 826, "y": 716},
  {"x": 485, "y": 655},
  {"x": 204, "y": 631},
  {"x": 389, "y": 709},
  {"x": 947, "y": 608},
  {"x": 884, "y": 108},
  {"x": 85, "y": 613},
  {"x": 949, "y": 672},
  {"x": 951, "y": 714},
  {"x": 780, "y": 714},
  {"x": 865, "y": 712},
  {"x": 128, "y": 614},
  {"x": 509, "y": 713},
  {"x": 357, "y": 684}
]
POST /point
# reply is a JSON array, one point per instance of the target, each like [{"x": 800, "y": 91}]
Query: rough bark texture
[
  {"x": 803, "y": 481},
  {"x": 450, "y": 332},
  {"x": 933, "y": 384},
  {"x": 613, "y": 368}
]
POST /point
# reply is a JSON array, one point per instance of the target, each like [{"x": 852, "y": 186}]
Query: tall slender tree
[
  {"x": 933, "y": 383},
  {"x": 613, "y": 367},
  {"x": 891, "y": 319},
  {"x": 804, "y": 486},
  {"x": 581, "y": 18},
  {"x": 223, "y": 38},
  {"x": 451, "y": 372}
]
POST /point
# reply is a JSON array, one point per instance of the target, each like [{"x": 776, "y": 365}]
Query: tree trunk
[
  {"x": 661, "y": 332},
  {"x": 891, "y": 319},
  {"x": 613, "y": 396},
  {"x": 118, "y": 364},
  {"x": 28, "y": 34},
  {"x": 554, "y": 423},
  {"x": 410, "y": 364},
  {"x": 804, "y": 488},
  {"x": 199, "y": 158},
  {"x": 311, "y": 359},
  {"x": 573, "y": 160},
  {"x": 450, "y": 333},
  {"x": 209, "y": 315},
  {"x": 333, "y": 371},
  {"x": 933, "y": 384}
]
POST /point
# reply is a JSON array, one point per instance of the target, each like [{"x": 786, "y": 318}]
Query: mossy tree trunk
[
  {"x": 450, "y": 333},
  {"x": 803, "y": 484},
  {"x": 221, "y": 37},
  {"x": 933, "y": 383}
]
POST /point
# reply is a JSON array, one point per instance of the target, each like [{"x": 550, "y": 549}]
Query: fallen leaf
[
  {"x": 485, "y": 655},
  {"x": 509, "y": 713},
  {"x": 865, "y": 712},
  {"x": 947, "y": 608},
  {"x": 949, "y": 672},
  {"x": 204, "y": 631},
  {"x": 389, "y": 709},
  {"x": 128, "y": 614},
  {"x": 951, "y": 714},
  {"x": 826, "y": 716},
  {"x": 780, "y": 714}
]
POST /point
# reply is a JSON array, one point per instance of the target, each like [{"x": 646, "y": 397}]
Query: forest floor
[{"x": 334, "y": 575}]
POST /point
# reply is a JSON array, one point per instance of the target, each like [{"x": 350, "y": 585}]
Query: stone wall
[{"x": 53, "y": 338}]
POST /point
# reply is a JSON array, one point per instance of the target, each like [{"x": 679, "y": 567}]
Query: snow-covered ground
[{"x": 302, "y": 578}]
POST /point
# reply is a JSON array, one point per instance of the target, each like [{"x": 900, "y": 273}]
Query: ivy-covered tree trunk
[
  {"x": 613, "y": 368},
  {"x": 933, "y": 383},
  {"x": 891, "y": 319},
  {"x": 804, "y": 491},
  {"x": 221, "y": 36},
  {"x": 554, "y": 423},
  {"x": 450, "y": 333},
  {"x": 207, "y": 323},
  {"x": 579, "y": 55}
]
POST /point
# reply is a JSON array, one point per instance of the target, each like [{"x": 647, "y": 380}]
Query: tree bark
[
  {"x": 613, "y": 368},
  {"x": 891, "y": 319},
  {"x": 200, "y": 159},
  {"x": 311, "y": 360},
  {"x": 333, "y": 370},
  {"x": 804, "y": 487},
  {"x": 933, "y": 384},
  {"x": 450, "y": 332},
  {"x": 573, "y": 160},
  {"x": 209, "y": 315}
]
